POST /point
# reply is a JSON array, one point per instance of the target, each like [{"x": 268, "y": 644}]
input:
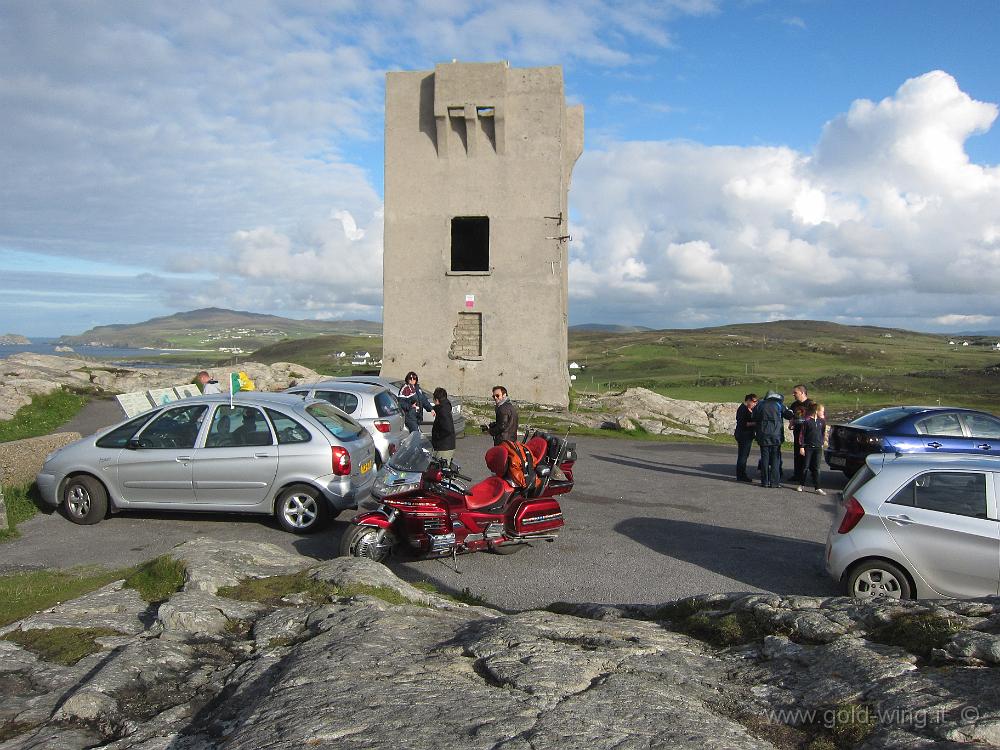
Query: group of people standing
[
  {"x": 414, "y": 403},
  {"x": 763, "y": 420}
]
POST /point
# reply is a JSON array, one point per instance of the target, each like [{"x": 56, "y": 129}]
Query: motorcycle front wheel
[{"x": 361, "y": 541}]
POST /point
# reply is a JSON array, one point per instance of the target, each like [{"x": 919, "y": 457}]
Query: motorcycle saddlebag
[{"x": 538, "y": 516}]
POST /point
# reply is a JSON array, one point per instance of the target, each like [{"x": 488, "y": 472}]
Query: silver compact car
[
  {"x": 395, "y": 384},
  {"x": 372, "y": 406},
  {"x": 918, "y": 526},
  {"x": 270, "y": 453}
]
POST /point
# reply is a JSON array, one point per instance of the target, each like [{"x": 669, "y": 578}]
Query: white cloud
[
  {"x": 888, "y": 219},
  {"x": 963, "y": 320}
]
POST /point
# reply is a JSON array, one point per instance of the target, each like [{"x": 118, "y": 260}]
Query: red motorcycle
[{"x": 425, "y": 508}]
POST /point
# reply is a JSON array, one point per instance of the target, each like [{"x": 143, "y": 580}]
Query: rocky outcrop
[
  {"x": 23, "y": 376},
  {"x": 355, "y": 657},
  {"x": 631, "y": 409}
]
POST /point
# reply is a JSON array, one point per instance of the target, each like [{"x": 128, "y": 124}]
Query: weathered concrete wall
[
  {"x": 20, "y": 460},
  {"x": 479, "y": 140}
]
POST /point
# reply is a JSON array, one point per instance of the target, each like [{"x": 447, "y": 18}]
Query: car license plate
[
  {"x": 367, "y": 466},
  {"x": 837, "y": 461}
]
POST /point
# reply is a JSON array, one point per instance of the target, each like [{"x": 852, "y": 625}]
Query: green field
[{"x": 849, "y": 368}]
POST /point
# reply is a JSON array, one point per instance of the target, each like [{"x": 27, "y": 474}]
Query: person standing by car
[
  {"x": 813, "y": 434},
  {"x": 413, "y": 401},
  {"x": 769, "y": 429},
  {"x": 744, "y": 434},
  {"x": 505, "y": 426},
  {"x": 443, "y": 429},
  {"x": 207, "y": 383},
  {"x": 796, "y": 416}
]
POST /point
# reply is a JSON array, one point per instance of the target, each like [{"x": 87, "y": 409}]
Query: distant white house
[
  {"x": 574, "y": 366},
  {"x": 997, "y": 347},
  {"x": 360, "y": 358},
  {"x": 951, "y": 343},
  {"x": 965, "y": 343}
]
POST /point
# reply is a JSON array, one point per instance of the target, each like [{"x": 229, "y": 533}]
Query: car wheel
[
  {"x": 85, "y": 501},
  {"x": 876, "y": 579},
  {"x": 301, "y": 509},
  {"x": 362, "y": 541}
]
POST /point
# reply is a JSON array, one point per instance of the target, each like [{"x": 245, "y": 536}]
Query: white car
[{"x": 918, "y": 526}]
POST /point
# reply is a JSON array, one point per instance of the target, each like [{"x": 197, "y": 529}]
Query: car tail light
[
  {"x": 382, "y": 426},
  {"x": 341, "y": 461},
  {"x": 853, "y": 514}
]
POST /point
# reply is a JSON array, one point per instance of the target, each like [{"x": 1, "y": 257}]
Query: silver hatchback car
[
  {"x": 918, "y": 526},
  {"x": 271, "y": 453},
  {"x": 372, "y": 406}
]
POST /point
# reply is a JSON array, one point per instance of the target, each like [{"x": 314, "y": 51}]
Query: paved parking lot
[{"x": 647, "y": 522}]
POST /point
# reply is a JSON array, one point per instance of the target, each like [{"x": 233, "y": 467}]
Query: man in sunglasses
[{"x": 505, "y": 428}]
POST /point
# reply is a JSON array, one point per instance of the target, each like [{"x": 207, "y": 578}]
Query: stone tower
[{"x": 478, "y": 158}]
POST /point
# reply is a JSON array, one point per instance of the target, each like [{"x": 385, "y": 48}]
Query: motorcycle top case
[{"x": 538, "y": 516}]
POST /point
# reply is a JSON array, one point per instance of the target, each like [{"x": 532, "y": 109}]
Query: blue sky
[{"x": 744, "y": 161}]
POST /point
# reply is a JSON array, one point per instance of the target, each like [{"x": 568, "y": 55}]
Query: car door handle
[
  {"x": 901, "y": 520},
  {"x": 261, "y": 455},
  {"x": 935, "y": 444},
  {"x": 183, "y": 459},
  {"x": 984, "y": 446}
]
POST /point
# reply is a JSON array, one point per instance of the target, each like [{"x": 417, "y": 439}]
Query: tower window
[{"x": 470, "y": 243}]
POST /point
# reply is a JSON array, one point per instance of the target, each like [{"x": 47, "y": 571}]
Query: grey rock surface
[{"x": 353, "y": 670}]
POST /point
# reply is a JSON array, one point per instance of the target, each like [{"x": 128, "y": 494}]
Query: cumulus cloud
[{"x": 888, "y": 218}]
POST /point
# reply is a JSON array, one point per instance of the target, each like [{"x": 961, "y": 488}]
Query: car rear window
[
  {"x": 956, "y": 492},
  {"x": 386, "y": 404},
  {"x": 879, "y": 419},
  {"x": 339, "y": 425},
  {"x": 119, "y": 436},
  {"x": 861, "y": 476},
  {"x": 289, "y": 430}
]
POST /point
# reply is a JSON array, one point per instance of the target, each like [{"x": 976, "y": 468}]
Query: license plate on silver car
[{"x": 367, "y": 466}]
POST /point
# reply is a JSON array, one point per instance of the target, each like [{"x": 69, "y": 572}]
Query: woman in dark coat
[{"x": 443, "y": 429}]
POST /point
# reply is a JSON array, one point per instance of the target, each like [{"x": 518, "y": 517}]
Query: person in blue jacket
[
  {"x": 413, "y": 401},
  {"x": 769, "y": 428}
]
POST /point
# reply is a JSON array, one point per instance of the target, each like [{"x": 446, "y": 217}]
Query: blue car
[{"x": 912, "y": 429}]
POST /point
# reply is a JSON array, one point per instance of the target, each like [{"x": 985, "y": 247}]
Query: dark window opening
[{"x": 470, "y": 243}]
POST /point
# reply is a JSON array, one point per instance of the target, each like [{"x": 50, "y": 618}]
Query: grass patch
[
  {"x": 917, "y": 633},
  {"x": 23, "y": 594},
  {"x": 273, "y": 590},
  {"x": 42, "y": 416},
  {"x": 22, "y": 503},
  {"x": 694, "y": 617},
  {"x": 157, "y": 579},
  {"x": 64, "y": 646}
]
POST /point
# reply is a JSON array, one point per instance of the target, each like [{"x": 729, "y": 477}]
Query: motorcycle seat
[{"x": 487, "y": 492}]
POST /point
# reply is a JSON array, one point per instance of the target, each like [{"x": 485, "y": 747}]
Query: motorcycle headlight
[{"x": 392, "y": 483}]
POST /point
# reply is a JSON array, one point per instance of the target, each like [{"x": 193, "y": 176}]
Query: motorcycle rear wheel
[{"x": 359, "y": 541}]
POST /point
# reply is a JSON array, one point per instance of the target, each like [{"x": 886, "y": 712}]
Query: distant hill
[
  {"x": 607, "y": 328},
  {"x": 213, "y": 327}
]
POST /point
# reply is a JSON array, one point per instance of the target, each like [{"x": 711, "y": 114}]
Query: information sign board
[
  {"x": 161, "y": 396},
  {"x": 134, "y": 403},
  {"x": 187, "y": 390}
]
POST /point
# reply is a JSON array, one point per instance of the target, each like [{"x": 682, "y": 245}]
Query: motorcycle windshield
[{"x": 414, "y": 454}]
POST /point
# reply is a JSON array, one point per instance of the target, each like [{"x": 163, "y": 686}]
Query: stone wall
[{"x": 21, "y": 460}]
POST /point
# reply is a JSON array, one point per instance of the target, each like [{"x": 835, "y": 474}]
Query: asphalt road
[{"x": 647, "y": 522}]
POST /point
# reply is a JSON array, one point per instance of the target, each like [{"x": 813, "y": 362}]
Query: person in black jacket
[
  {"x": 796, "y": 416},
  {"x": 770, "y": 432},
  {"x": 443, "y": 429},
  {"x": 744, "y": 434},
  {"x": 810, "y": 443},
  {"x": 505, "y": 427}
]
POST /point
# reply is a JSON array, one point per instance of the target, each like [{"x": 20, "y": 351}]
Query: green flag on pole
[{"x": 234, "y": 382}]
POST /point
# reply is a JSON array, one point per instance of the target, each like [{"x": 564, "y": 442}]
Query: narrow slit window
[
  {"x": 470, "y": 243},
  {"x": 456, "y": 117}
]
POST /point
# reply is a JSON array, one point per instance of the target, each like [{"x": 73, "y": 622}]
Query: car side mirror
[{"x": 134, "y": 443}]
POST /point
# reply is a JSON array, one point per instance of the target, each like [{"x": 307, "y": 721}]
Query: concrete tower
[{"x": 478, "y": 158}]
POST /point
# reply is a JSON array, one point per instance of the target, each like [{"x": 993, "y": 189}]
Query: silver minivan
[
  {"x": 918, "y": 526},
  {"x": 300, "y": 460},
  {"x": 372, "y": 406}
]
